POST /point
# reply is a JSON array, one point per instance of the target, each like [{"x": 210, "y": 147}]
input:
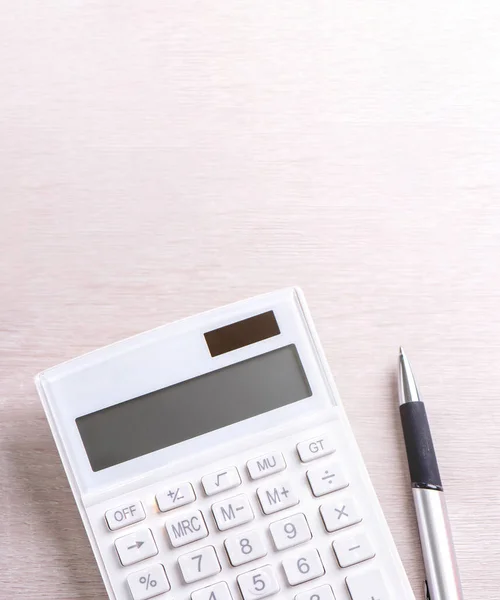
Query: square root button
[{"x": 221, "y": 481}]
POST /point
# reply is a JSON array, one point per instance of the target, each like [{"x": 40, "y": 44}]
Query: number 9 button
[{"x": 290, "y": 532}]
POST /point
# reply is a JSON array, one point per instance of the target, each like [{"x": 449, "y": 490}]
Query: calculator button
[
  {"x": 303, "y": 566},
  {"x": 366, "y": 586},
  {"x": 232, "y": 512},
  {"x": 218, "y": 591},
  {"x": 185, "y": 528},
  {"x": 177, "y": 495},
  {"x": 259, "y": 583},
  {"x": 339, "y": 513},
  {"x": 245, "y": 547},
  {"x": 220, "y": 481},
  {"x": 136, "y": 546},
  {"x": 265, "y": 465},
  {"x": 276, "y": 497},
  {"x": 200, "y": 564},
  {"x": 326, "y": 479},
  {"x": 323, "y": 592},
  {"x": 353, "y": 549},
  {"x": 315, "y": 448},
  {"x": 289, "y": 532},
  {"x": 125, "y": 515},
  {"x": 148, "y": 583}
]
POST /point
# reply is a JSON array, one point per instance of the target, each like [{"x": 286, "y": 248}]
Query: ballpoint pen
[{"x": 441, "y": 570}]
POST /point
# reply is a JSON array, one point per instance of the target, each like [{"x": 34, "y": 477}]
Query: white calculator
[{"x": 211, "y": 459}]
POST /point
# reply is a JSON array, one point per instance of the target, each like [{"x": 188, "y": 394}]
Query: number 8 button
[{"x": 244, "y": 548}]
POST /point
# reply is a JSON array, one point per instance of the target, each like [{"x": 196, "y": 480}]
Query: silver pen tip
[{"x": 408, "y": 390}]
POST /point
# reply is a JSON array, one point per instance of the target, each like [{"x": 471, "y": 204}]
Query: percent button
[{"x": 148, "y": 583}]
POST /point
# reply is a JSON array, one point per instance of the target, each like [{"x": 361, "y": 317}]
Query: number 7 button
[{"x": 199, "y": 564}]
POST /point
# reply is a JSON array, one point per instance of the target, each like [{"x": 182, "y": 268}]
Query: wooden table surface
[{"x": 161, "y": 158}]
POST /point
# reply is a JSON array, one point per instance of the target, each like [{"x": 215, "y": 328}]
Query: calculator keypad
[
  {"x": 295, "y": 535},
  {"x": 276, "y": 496},
  {"x": 340, "y": 512},
  {"x": 353, "y": 549},
  {"x": 199, "y": 564},
  {"x": 327, "y": 478},
  {"x": 186, "y": 527},
  {"x": 303, "y": 566},
  {"x": 245, "y": 547},
  {"x": 315, "y": 448},
  {"x": 219, "y": 591},
  {"x": 366, "y": 586},
  {"x": 232, "y": 512},
  {"x": 323, "y": 592},
  {"x": 259, "y": 583}
]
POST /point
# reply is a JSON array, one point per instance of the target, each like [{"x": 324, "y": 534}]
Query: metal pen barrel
[{"x": 441, "y": 568}]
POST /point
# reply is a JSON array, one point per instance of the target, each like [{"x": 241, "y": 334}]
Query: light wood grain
[{"x": 161, "y": 158}]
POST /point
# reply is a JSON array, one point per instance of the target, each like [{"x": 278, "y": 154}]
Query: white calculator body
[{"x": 211, "y": 459}]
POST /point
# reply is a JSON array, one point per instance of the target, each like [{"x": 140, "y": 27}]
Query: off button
[{"x": 125, "y": 515}]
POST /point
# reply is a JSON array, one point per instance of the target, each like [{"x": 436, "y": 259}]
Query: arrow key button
[{"x": 135, "y": 547}]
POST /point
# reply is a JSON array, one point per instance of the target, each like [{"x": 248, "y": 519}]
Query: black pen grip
[{"x": 424, "y": 470}]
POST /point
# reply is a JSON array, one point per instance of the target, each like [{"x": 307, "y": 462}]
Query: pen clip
[{"x": 427, "y": 595}]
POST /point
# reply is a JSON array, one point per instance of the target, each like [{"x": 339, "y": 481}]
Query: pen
[{"x": 441, "y": 569}]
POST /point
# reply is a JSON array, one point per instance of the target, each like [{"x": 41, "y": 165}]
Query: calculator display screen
[{"x": 193, "y": 407}]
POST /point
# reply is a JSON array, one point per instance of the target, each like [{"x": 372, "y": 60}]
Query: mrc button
[
  {"x": 125, "y": 515},
  {"x": 186, "y": 527}
]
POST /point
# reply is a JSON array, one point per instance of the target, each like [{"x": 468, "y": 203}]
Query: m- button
[
  {"x": 125, "y": 515},
  {"x": 315, "y": 448}
]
